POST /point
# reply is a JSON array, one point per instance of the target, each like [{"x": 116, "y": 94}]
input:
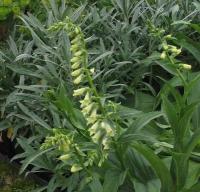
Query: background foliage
[{"x": 151, "y": 101}]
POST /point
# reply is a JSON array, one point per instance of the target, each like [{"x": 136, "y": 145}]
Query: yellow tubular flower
[
  {"x": 107, "y": 127},
  {"x": 80, "y": 92},
  {"x": 79, "y": 79},
  {"x": 65, "y": 157},
  {"x": 76, "y": 168},
  {"x": 94, "y": 128},
  {"x": 163, "y": 55},
  {"x": 76, "y": 65},
  {"x": 185, "y": 66},
  {"x": 88, "y": 108},
  {"x": 75, "y": 59},
  {"x": 76, "y": 72}
]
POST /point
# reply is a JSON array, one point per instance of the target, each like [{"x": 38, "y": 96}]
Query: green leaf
[
  {"x": 179, "y": 169},
  {"x": 113, "y": 179},
  {"x": 4, "y": 125},
  {"x": 171, "y": 112},
  {"x": 126, "y": 112},
  {"x": 138, "y": 167},
  {"x": 33, "y": 116},
  {"x": 101, "y": 57},
  {"x": 143, "y": 120},
  {"x": 159, "y": 167},
  {"x": 31, "y": 158},
  {"x": 195, "y": 188},
  {"x": 192, "y": 46},
  {"x": 96, "y": 185},
  {"x": 196, "y": 27},
  {"x": 182, "y": 127},
  {"x": 193, "y": 141}
]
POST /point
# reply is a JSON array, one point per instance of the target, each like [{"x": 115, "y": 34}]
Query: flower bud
[
  {"x": 80, "y": 92},
  {"x": 65, "y": 157},
  {"x": 168, "y": 37},
  {"x": 185, "y": 66},
  {"x": 76, "y": 168},
  {"x": 163, "y": 55},
  {"x": 78, "y": 79},
  {"x": 75, "y": 59},
  {"x": 79, "y": 53},
  {"x": 76, "y": 72},
  {"x": 178, "y": 51},
  {"x": 92, "y": 70},
  {"x": 76, "y": 40},
  {"x": 74, "y": 47},
  {"x": 76, "y": 65},
  {"x": 77, "y": 30},
  {"x": 165, "y": 47}
]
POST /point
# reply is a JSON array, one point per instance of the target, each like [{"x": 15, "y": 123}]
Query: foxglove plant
[
  {"x": 98, "y": 114},
  {"x": 101, "y": 127},
  {"x": 178, "y": 112}
]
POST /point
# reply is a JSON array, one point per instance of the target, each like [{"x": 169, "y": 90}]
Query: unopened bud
[
  {"x": 185, "y": 66},
  {"x": 168, "y": 37},
  {"x": 76, "y": 168},
  {"x": 65, "y": 157},
  {"x": 163, "y": 55},
  {"x": 165, "y": 47}
]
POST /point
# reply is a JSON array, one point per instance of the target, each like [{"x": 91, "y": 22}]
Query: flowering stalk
[
  {"x": 66, "y": 145},
  {"x": 170, "y": 52},
  {"x": 100, "y": 124}
]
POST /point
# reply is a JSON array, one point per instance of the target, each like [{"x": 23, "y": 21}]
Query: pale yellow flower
[
  {"x": 80, "y": 92},
  {"x": 79, "y": 79},
  {"x": 76, "y": 168}
]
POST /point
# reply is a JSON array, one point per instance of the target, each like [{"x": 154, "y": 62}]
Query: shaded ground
[{"x": 10, "y": 181}]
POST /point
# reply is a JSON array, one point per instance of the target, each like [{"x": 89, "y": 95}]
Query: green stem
[{"x": 177, "y": 70}]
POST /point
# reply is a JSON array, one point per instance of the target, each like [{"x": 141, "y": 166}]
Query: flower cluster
[
  {"x": 70, "y": 152},
  {"x": 98, "y": 114},
  {"x": 101, "y": 129},
  {"x": 171, "y": 51}
]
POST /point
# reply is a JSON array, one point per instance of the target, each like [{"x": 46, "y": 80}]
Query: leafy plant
[{"x": 68, "y": 106}]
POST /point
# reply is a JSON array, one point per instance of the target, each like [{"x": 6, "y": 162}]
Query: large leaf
[
  {"x": 96, "y": 185},
  {"x": 138, "y": 166},
  {"x": 192, "y": 46},
  {"x": 170, "y": 112},
  {"x": 159, "y": 167},
  {"x": 113, "y": 179},
  {"x": 143, "y": 120},
  {"x": 195, "y": 188}
]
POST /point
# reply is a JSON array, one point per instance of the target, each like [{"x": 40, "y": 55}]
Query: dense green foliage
[{"x": 104, "y": 95}]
